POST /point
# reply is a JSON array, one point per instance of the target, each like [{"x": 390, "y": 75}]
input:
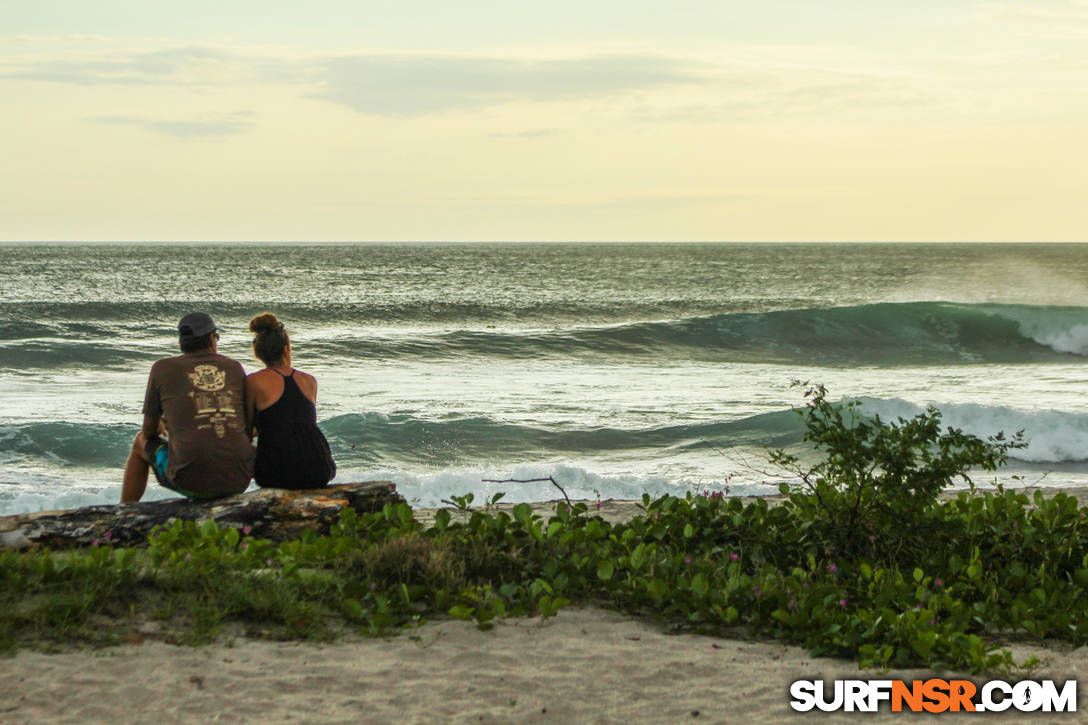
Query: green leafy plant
[{"x": 878, "y": 476}]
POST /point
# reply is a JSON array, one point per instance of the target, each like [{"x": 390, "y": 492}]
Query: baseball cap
[{"x": 196, "y": 324}]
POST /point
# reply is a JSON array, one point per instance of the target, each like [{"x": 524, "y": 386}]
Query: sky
[{"x": 503, "y": 120}]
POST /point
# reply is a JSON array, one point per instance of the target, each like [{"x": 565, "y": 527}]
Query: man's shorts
[{"x": 158, "y": 453}]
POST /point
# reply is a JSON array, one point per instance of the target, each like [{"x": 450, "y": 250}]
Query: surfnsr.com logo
[{"x": 934, "y": 695}]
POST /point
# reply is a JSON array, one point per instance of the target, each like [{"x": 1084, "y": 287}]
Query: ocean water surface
[{"x": 616, "y": 368}]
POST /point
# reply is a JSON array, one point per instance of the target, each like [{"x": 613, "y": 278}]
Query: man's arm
[
  {"x": 134, "y": 482},
  {"x": 152, "y": 425},
  {"x": 250, "y": 391}
]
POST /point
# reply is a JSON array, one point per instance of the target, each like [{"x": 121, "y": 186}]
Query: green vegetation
[{"x": 860, "y": 561}]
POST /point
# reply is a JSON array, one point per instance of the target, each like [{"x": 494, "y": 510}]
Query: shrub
[{"x": 875, "y": 485}]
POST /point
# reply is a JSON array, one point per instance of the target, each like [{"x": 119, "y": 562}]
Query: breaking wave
[
  {"x": 886, "y": 334},
  {"x": 403, "y": 439}
]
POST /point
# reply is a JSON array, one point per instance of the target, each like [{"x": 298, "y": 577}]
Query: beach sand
[{"x": 586, "y": 665}]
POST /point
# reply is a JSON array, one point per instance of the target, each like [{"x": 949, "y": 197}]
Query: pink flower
[
  {"x": 804, "y": 584},
  {"x": 938, "y": 582},
  {"x": 734, "y": 557},
  {"x": 1014, "y": 523},
  {"x": 94, "y": 543},
  {"x": 759, "y": 592},
  {"x": 244, "y": 545},
  {"x": 842, "y": 603},
  {"x": 832, "y": 568},
  {"x": 246, "y": 529},
  {"x": 108, "y": 536},
  {"x": 872, "y": 537},
  {"x": 792, "y": 604},
  {"x": 687, "y": 559}
]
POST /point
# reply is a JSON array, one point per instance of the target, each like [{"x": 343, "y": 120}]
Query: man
[{"x": 198, "y": 397}]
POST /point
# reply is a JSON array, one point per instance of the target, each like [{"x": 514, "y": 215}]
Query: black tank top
[{"x": 291, "y": 450}]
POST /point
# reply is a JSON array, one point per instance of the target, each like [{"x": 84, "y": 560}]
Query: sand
[{"x": 586, "y": 665}]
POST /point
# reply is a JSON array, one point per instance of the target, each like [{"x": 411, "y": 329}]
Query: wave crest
[
  {"x": 1053, "y": 436},
  {"x": 886, "y": 334}
]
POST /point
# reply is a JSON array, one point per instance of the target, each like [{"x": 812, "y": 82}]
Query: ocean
[{"x": 618, "y": 369}]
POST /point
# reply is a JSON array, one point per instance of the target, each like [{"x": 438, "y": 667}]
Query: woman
[{"x": 291, "y": 450}]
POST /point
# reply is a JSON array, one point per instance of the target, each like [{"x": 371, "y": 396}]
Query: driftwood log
[{"x": 269, "y": 513}]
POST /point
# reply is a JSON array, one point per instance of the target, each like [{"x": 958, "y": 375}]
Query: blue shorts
[{"x": 158, "y": 454}]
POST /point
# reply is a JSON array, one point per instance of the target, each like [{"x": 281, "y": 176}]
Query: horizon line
[{"x": 331, "y": 242}]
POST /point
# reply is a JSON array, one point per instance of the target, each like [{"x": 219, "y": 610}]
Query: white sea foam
[
  {"x": 57, "y": 498},
  {"x": 421, "y": 490},
  {"x": 428, "y": 490},
  {"x": 1072, "y": 339},
  {"x": 1052, "y": 436},
  {"x": 1060, "y": 328}
]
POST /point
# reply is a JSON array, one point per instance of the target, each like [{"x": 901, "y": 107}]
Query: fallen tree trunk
[{"x": 269, "y": 513}]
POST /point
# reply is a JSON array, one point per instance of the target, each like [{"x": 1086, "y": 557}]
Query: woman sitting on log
[{"x": 291, "y": 450}]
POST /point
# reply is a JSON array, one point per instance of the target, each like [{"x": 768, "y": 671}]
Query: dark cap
[{"x": 196, "y": 324}]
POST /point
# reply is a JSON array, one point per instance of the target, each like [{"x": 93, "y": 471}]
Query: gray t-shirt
[{"x": 201, "y": 397}]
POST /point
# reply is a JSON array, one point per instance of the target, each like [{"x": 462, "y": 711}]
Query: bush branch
[{"x": 533, "y": 480}]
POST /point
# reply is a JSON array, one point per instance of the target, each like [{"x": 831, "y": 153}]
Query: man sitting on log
[{"x": 198, "y": 398}]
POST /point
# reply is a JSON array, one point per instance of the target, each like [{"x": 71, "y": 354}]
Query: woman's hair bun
[
  {"x": 264, "y": 321},
  {"x": 270, "y": 337}
]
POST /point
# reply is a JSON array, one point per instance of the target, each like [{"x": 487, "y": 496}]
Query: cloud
[
  {"x": 508, "y": 200},
  {"x": 229, "y": 125},
  {"x": 384, "y": 84},
  {"x": 1061, "y": 11},
  {"x": 764, "y": 93},
  {"x": 528, "y": 133},
  {"x": 413, "y": 85},
  {"x": 186, "y": 65},
  {"x": 1056, "y": 18},
  {"x": 408, "y": 85}
]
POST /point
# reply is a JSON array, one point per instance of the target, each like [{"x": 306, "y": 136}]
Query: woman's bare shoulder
[
  {"x": 307, "y": 382},
  {"x": 262, "y": 380}
]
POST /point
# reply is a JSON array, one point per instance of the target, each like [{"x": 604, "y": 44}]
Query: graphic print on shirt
[{"x": 214, "y": 406}]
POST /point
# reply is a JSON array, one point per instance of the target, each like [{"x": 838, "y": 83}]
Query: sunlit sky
[{"x": 344, "y": 120}]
